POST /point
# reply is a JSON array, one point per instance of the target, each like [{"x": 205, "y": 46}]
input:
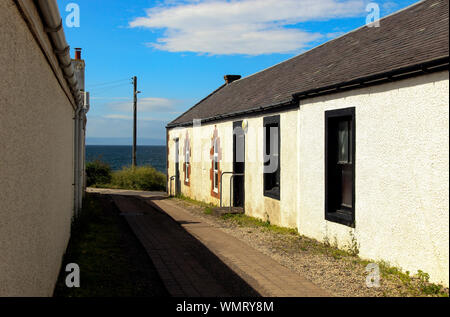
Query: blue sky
[{"x": 181, "y": 49}]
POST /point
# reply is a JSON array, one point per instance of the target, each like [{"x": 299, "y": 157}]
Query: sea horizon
[{"x": 119, "y": 156}]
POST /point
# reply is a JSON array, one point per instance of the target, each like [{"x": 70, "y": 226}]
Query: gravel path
[{"x": 339, "y": 274}]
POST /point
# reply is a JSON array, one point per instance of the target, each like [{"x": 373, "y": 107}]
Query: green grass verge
[
  {"x": 99, "y": 174},
  {"x": 139, "y": 178},
  {"x": 112, "y": 262},
  {"x": 246, "y": 221},
  {"x": 207, "y": 208}
]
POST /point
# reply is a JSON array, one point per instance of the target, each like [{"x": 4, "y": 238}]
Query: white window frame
[{"x": 216, "y": 171}]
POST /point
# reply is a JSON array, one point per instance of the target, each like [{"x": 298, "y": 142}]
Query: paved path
[
  {"x": 196, "y": 259},
  {"x": 125, "y": 192}
]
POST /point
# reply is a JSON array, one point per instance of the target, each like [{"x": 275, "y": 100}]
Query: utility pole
[{"x": 135, "y": 92}]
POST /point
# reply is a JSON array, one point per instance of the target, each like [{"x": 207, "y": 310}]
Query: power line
[
  {"x": 105, "y": 89},
  {"x": 110, "y": 82}
]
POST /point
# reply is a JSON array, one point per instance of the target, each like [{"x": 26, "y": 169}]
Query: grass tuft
[
  {"x": 246, "y": 221},
  {"x": 139, "y": 178},
  {"x": 207, "y": 208}
]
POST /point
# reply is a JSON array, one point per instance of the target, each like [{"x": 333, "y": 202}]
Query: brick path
[
  {"x": 186, "y": 267},
  {"x": 196, "y": 259}
]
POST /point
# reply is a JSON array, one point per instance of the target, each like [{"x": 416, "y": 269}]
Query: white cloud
[
  {"x": 150, "y": 104},
  {"x": 118, "y": 116},
  {"x": 250, "y": 27},
  {"x": 110, "y": 98},
  {"x": 333, "y": 35},
  {"x": 129, "y": 117},
  {"x": 389, "y": 7},
  {"x": 120, "y": 127}
]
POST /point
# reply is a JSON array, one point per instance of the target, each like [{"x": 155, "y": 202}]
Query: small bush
[
  {"x": 97, "y": 172},
  {"x": 139, "y": 178}
]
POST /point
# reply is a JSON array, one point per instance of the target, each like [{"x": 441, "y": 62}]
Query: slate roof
[{"x": 415, "y": 35}]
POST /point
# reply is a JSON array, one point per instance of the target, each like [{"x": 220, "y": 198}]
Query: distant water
[{"x": 119, "y": 156}]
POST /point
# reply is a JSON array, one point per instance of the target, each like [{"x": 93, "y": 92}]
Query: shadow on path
[{"x": 185, "y": 265}]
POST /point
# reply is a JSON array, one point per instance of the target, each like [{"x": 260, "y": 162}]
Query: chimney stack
[
  {"x": 230, "y": 78},
  {"x": 79, "y": 67},
  {"x": 77, "y": 53}
]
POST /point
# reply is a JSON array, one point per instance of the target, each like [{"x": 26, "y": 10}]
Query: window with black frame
[
  {"x": 272, "y": 157},
  {"x": 216, "y": 165},
  {"x": 187, "y": 161},
  {"x": 340, "y": 166}
]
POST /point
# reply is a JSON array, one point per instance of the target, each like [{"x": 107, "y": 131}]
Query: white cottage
[{"x": 359, "y": 142}]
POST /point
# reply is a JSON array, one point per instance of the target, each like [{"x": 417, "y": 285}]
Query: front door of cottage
[{"x": 238, "y": 164}]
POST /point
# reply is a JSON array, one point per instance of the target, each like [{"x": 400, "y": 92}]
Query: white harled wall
[
  {"x": 281, "y": 212},
  {"x": 36, "y": 166},
  {"x": 402, "y": 206},
  {"x": 402, "y": 209}
]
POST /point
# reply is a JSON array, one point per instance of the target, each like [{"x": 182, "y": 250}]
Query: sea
[{"x": 118, "y": 156}]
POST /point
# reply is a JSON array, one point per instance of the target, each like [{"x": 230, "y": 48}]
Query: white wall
[
  {"x": 402, "y": 206},
  {"x": 280, "y": 212},
  {"x": 200, "y": 142},
  {"x": 36, "y": 169}
]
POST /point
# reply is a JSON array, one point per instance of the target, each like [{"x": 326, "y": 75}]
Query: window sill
[
  {"x": 273, "y": 193},
  {"x": 341, "y": 217}
]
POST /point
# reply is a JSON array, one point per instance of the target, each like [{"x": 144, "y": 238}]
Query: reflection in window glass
[
  {"x": 272, "y": 157},
  {"x": 343, "y": 138}
]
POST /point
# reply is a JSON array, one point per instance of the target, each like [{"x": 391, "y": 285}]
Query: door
[
  {"x": 238, "y": 164},
  {"x": 177, "y": 168},
  {"x": 340, "y": 166}
]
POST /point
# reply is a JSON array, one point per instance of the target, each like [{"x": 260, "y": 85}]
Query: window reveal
[
  {"x": 272, "y": 157},
  {"x": 339, "y": 166}
]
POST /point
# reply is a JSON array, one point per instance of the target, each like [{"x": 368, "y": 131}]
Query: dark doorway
[
  {"x": 177, "y": 168},
  {"x": 238, "y": 164},
  {"x": 340, "y": 166}
]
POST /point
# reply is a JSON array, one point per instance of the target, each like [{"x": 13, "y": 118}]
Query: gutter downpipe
[
  {"x": 54, "y": 28},
  {"x": 77, "y": 138},
  {"x": 80, "y": 115},
  {"x": 81, "y": 146}
]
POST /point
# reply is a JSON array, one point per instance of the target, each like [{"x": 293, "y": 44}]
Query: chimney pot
[
  {"x": 78, "y": 53},
  {"x": 230, "y": 78}
]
